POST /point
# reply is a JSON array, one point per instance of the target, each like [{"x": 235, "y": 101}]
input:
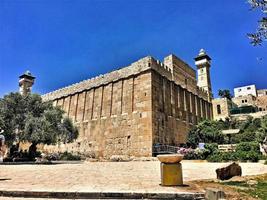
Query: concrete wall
[{"x": 245, "y": 90}]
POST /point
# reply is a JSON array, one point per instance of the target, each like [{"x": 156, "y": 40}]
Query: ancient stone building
[
  {"x": 127, "y": 111},
  {"x": 247, "y": 101},
  {"x": 221, "y": 108}
]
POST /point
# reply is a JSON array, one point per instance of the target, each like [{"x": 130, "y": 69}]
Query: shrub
[
  {"x": 212, "y": 147},
  {"x": 248, "y": 151},
  {"x": 222, "y": 157},
  {"x": 253, "y": 156},
  {"x": 248, "y": 156},
  {"x": 191, "y": 154},
  {"x": 68, "y": 156},
  {"x": 248, "y": 146},
  {"x": 52, "y": 156},
  {"x": 20, "y": 156}
]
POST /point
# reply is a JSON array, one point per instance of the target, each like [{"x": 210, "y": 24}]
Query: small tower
[
  {"x": 26, "y": 82},
  {"x": 202, "y": 61}
]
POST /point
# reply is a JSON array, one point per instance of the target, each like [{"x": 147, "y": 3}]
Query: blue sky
[{"x": 63, "y": 42}]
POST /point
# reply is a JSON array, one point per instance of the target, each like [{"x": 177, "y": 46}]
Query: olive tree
[
  {"x": 261, "y": 33},
  {"x": 29, "y": 119}
]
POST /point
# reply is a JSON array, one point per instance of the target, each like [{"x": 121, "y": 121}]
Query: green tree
[
  {"x": 28, "y": 119},
  {"x": 261, "y": 33},
  {"x": 207, "y": 131},
  {"x": 261, "y": 133},
  {"x": 248, "y": 130},
  {"x": 225, "y": 94},
  {"x": 12, "y": 113}
]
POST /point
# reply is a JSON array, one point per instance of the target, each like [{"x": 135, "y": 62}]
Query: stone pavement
[
  {"x": 21, "y": 198},
  {"x": 135, "y": 176}
]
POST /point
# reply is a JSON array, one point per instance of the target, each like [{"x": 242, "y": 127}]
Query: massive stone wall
[
  {"x": 112, "y": 119},
  {"x": 128, "y": 110},
  {"x": 175, "y": 110}
]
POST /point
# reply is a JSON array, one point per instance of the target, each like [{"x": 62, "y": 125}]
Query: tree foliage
[
  {"x": 261, "y": 33},
  {"x": 27, "y": 118},
  {"x": 225, "y": 94},
  {"x": 207, "y": 131},
  {"x": 261, "y": 133},
  {"x": 248, "y": 131}
]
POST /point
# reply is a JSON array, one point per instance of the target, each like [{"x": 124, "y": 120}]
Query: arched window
[{"x": 219, "y": 111}]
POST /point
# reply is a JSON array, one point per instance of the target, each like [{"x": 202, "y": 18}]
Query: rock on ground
[{"x": 229, "y": 171}]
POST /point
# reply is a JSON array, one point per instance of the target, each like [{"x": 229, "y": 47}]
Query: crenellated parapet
[
  {"x": 134, "y": 69},
  {"x": 140, "y": 66},
  {"x": 173, "y": 68},
  {"x": 202, "y": 93}
]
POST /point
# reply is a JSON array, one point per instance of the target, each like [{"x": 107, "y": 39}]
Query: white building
[
  {"x": 245, "y": 90},
  {"x": 262, "y": 92}
]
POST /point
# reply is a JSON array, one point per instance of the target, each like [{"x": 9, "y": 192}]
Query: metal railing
[{"x": 164, "y": 149}]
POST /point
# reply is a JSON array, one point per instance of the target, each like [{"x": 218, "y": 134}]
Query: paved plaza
[{"x": 135, "y": 176}]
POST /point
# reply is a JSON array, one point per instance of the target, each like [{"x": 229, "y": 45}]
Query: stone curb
[
  {"x": 102, "y": 195},
  {"x": 42, "y": 163}
]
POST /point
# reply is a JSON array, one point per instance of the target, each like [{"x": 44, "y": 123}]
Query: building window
[
  {"x": 239, "y": 90},
  {"x": 246, "y": 100},
  {"x": 219, "y": 111},
  {"x": 248, "y": 88},
  {"x": 260, "y": 109},
  {"x": 242, "y": 101},
  {"x": 266, "y": 92}
]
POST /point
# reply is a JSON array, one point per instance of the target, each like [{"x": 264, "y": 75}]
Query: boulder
[{"x": 229, "y": 171}]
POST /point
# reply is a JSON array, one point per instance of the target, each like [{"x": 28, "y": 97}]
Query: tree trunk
[{"x": 32, "y": 151}]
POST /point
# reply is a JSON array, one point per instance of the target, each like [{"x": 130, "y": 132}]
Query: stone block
[{"x": 214, "y": 194}]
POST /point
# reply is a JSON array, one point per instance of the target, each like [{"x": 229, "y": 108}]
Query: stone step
[{"x": 101, "y": 195}]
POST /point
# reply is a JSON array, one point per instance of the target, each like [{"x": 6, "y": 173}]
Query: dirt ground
[{"x": 232, "y": 192}]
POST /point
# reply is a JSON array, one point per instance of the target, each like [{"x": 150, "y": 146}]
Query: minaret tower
[
  {"x": 26, "y": 82},
  {"x": 202, "y": 61}
]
